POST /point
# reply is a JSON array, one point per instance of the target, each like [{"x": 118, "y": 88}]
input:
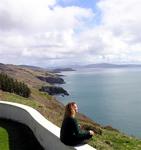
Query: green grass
[
  {"x": 4, "y": 141},
  {"x": 112, "y": 140},
  {"x": 11, "y": 97},
  {"x": 16, "y": 136},
  {"x": 109, "y": 140}
]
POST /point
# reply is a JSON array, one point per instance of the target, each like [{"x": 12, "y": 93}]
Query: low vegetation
[
  {"x": 4, "y": 143},
  {"x": 104, "y": 139},
  {"x": 13, "y": 86}
]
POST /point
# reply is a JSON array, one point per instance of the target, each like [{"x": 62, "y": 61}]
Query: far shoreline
[{"x": 64, "y": 101}]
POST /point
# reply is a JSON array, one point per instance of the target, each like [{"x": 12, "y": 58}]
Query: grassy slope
[
  {"x": 54, "y": 110},
  {"x": 4, "y": 144},
  {"x": 109, "y": 140}
]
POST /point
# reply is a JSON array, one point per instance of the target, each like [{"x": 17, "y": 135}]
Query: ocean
[{"x": 107, "y": 96}]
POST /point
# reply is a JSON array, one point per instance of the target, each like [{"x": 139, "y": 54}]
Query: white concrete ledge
[{"x": 46, "y": 132}]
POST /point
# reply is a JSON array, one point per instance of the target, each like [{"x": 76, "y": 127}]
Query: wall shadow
[{"x": 20, "y": 136}]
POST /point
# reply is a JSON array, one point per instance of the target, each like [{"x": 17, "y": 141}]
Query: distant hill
[
  {"x": 32, "y": 67},
  {"x": 34, "y": 77},
  {"x": 58, "y": 70},
  {"x": 23, "y": 74},
  {"x": 107, "y": 65}
]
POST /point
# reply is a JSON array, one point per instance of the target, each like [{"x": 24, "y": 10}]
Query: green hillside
[{"x": 106, "y": 138}]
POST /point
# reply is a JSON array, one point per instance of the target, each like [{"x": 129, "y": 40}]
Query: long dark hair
[{"x": 69, "y": 109}]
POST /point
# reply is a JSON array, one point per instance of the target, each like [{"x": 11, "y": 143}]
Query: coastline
[
  {"x": 104, "y": 139},
  {"x": 73, "y": 76},
  {"x": 52, "y": 109}
]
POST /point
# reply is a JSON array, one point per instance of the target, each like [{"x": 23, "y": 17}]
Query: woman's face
[{"x": 75, "y": 108}]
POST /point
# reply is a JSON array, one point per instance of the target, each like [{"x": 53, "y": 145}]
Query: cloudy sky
[{"x": 70, "y": 32}]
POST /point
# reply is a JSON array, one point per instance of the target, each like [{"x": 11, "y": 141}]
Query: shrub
[{"x": 13, "y": 86}]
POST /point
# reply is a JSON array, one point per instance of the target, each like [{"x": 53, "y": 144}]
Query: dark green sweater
[{"x": 71, "y": 134}]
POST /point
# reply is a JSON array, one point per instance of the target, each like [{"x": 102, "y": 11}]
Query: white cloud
[
  {"x": 117, "y": 37},
  {"x": 43, "y": 31},
  {"x": 39, "y": 29},
  {"x": 122, "y": 17},
  {"x": 20, "y": 14},
  {"x": 39, "y": 15}
]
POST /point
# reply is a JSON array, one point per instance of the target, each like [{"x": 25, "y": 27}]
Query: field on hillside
[
  {"x": 108, "y": 140},
  {"x": 104, "y": 139}
]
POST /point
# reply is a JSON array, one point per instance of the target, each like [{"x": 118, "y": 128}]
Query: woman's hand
[
  {"x": 79, "y": 126},
  {"x": 91, "y": 132}
]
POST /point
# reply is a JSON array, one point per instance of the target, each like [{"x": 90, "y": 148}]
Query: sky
[{"x": 51, "y": 33}]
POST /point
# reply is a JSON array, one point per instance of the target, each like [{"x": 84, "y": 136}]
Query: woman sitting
[{"x": 71, "y": 134}]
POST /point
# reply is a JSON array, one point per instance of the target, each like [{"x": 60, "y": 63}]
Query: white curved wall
[{"x": 46, "y": 132}]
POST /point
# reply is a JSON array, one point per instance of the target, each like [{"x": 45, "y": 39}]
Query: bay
[{"x": 108, "y": 96}]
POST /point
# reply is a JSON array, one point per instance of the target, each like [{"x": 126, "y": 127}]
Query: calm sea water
[{"x": 108, "y": 96}]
